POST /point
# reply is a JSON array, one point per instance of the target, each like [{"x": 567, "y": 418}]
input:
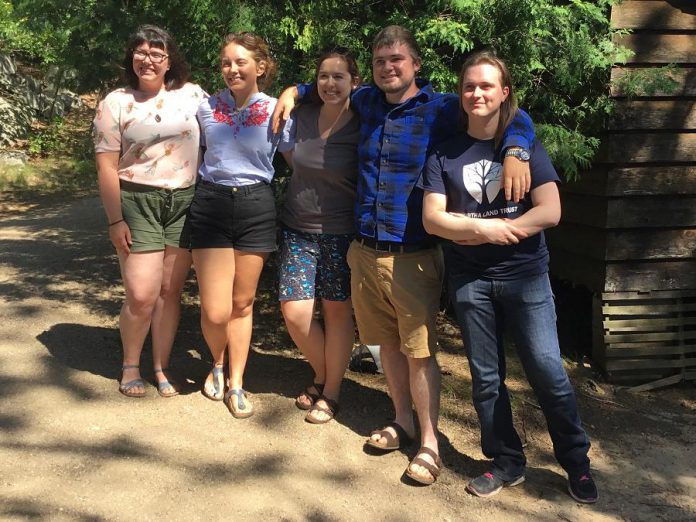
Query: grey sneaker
[{"x": 487, "y": 485}]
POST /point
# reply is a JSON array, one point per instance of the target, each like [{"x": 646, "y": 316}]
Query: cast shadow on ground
[
  {"x": 59, "y": 254},
  {"x": 30, "y": 509},
  {"x": 97, "y": 350},
  {"x": 246, "y": 471}
]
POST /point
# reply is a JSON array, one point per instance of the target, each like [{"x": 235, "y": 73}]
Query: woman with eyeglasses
[
  {"x": 317, "y": 230},
  {"x": 233, "y": 217},
  {"x": 146, "y": 141}
]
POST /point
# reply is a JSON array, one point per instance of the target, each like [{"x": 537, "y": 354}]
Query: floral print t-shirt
[
  {"x": 158, "y": 139},
  {"x": 239, "y": 143}
]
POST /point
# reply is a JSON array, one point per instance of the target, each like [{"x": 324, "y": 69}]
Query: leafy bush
[
  {"x": 560, "y": 51},
  {"x": 560, "y": 54},
  {"x": 48, "y": 139}
]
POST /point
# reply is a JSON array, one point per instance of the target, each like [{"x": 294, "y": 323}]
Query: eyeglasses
[{"x": 155, "y": 57}]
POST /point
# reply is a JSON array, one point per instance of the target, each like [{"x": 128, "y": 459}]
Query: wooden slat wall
[
  {"x": 675, "y": 115},
  {"x": 651, "y": 148},
  {"x": 659, "y": 48},
  {"x": 683, "y": 79},
  {"x": 629, "y": 226},
  {"x": 654, "y": 14},
  {"x": 636, "y": 181},
  {"x": 636, "y": 211},
  {"x": 646, "y": 336}
]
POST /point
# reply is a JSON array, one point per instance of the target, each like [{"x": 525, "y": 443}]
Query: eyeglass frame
[{"x": 139, "y": 54}]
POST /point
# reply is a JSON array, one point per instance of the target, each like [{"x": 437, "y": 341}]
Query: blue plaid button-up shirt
[{"x": 394, "y": 142}]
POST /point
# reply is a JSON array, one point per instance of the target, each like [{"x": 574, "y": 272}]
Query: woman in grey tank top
[{"x": 317, "y": 229}]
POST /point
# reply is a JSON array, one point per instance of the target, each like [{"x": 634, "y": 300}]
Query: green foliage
[
  {"x": 569, "y": 148},
  {"x": 17, "y": 38},
  {"x": 49, "y": 139},
  {"x": 49, "y": 176},
  {"x": 559, "y": 51},
  {"x": 647, "y": 82}
]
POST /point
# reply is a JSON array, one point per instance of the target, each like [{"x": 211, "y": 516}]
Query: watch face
[{"x": 520, "y": 154}]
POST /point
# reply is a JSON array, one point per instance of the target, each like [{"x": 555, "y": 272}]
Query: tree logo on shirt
[{"x": 482, "y": 177}]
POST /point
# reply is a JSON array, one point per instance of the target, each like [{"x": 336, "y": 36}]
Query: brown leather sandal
[
  {"x": 309, "y": 396},
  {"x": 401, "y": 440},
  {"x": 331, "y": 410},
  {"x": 433, "y": 469}
]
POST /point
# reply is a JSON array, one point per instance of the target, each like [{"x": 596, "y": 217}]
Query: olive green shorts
[{"x": 156, "y": 217}]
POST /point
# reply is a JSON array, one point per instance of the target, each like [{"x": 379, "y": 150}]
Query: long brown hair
[
  {"x": 343, "y": 54},
  {"x": 262, "y": 54},
  {"x": 508, "y": 108}
]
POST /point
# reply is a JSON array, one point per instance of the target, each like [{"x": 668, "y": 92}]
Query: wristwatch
[{"x": 518, "y": 152}]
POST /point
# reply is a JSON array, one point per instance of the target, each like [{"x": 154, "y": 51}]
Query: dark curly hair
[
  {"x": 154, "y": 36},
  {"x": 262, "y": 54}
]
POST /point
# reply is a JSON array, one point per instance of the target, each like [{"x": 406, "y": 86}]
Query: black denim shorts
[{"x": 243, "y": 218}]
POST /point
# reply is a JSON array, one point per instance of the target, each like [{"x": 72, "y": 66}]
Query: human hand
[
  {"x": 517, "y": 179},
  {"x": 498, "y": 232},
  {"x": 120, "y": 236},
  {"x": 285, "y": 105}
]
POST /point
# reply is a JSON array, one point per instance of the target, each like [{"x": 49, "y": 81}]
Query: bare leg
[
  {"x": 215, "y": 270},
  {"x": 142, "y": 279},
  {"x": 396, "y": 371},
  {"x": 165, "y": 317},
  {"x": 338, "y": 345},
  {"x": 247, "y": 272},
  {"x": 306, "y": 333},
  {"x": 425, "y": 389}
]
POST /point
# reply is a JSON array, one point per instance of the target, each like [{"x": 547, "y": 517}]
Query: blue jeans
[{"x": 482, "y": 307}]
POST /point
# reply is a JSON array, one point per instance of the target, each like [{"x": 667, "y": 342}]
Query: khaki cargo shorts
[{"x": 396, "y": 297}]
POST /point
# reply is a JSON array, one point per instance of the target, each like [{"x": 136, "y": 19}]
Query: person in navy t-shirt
[{"x": 497, "y": 264}]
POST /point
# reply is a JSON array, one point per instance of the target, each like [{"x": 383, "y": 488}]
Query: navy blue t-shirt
[{"x": 468, "y": 171}]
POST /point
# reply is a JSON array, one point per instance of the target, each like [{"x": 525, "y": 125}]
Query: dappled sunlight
[
  {"x": 59, "y": 255},
  {"x": 641, "y": 444},
  {"x": 64, "y": 427}
]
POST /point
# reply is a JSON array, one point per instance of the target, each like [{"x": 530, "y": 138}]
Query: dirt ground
[{"x": 73, "y": 448}]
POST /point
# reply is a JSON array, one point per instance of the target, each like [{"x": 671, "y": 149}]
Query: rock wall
[{"x": 24, "y": 98}]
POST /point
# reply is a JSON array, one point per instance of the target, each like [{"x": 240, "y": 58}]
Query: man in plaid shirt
[{"x": 396, "y": 267}]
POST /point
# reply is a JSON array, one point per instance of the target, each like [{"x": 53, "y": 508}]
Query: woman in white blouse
[{"x": 147, "y": 150}]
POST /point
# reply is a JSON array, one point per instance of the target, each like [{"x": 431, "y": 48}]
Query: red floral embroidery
[{"x": 254, "y": 115}]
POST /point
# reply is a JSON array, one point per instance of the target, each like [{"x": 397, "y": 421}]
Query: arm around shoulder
[
  {"x": 284, "y": 107},
  {"x": 518, "y": 135}
]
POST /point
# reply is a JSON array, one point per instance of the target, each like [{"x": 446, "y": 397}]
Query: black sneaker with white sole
[
  {"x": 487, "y": 485},
  {"x": 583, "y": 488}
]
